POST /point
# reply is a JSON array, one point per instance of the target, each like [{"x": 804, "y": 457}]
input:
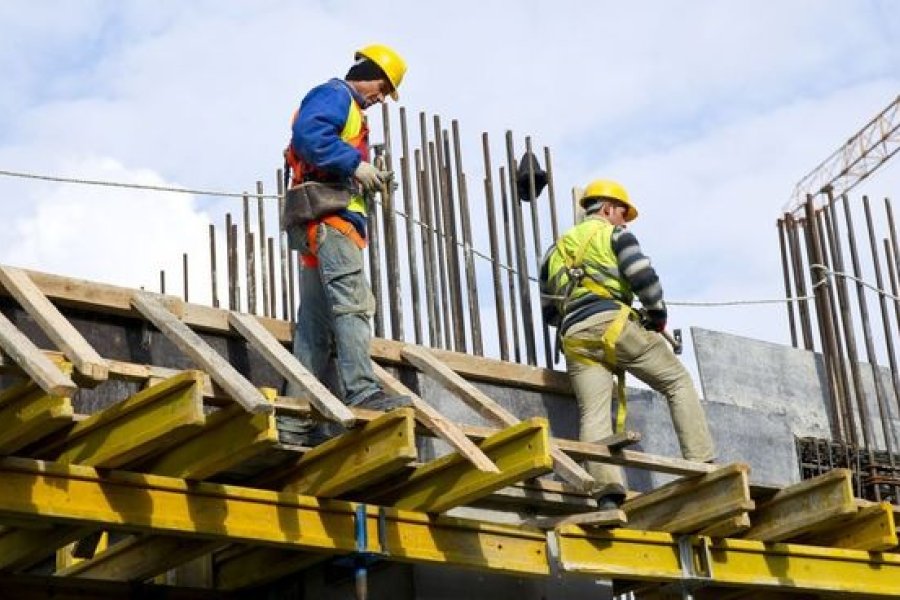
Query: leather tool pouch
[{"x": 313, "y": 200}]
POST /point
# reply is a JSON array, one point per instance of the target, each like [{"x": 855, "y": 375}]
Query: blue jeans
[{"x": 336, "y": 305}]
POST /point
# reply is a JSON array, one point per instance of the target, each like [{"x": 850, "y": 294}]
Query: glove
[
  {"x": 370, "y": 177},
  {"x": 654, "y": 320}
]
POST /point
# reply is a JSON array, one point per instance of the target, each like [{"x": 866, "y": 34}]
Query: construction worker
[
  {"x": 588, "y": 281},
  {"x": 329, "y": 145}
]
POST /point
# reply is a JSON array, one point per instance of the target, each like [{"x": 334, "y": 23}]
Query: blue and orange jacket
[{"x": 330, "y": 136}]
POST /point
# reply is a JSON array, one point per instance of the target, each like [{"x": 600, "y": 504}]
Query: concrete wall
[{"x": 786, "y": 383}]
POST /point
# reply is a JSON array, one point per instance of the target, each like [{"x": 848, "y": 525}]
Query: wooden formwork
[{"x": 190, "y": 468}]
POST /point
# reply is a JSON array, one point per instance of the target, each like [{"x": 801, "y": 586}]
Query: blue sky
[{"x": 708, "y": 112}]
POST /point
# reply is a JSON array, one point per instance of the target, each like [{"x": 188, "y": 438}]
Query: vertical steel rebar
[
  {"x": 263, "y": 258},
  {"x": 880, "y": 392},
  {"x": 814, "y": 250},
  {"x": 184, "y": 272},
  {"x": 843, "y": 297},
  {"x": 538, "y": 251},
  {"x": 448, "y": 206},
  {"x": 799, "y": 280},
  {"x": 432, "y": 296},
  {"x": 408, "y": 208},
  {"x": 214, "y": 282},
  {"x": 374, "y": 249},
  {"x": 162, "y": 282},
  {"x": 522, "y": 262},
  {"x": 551, "y": 194},
  {"x": 867, "y": 333},
  {"x": 441, "y": 236},
  {"x": 229, "y": 262},
  {"x": 270, "y": 247},
  {"x": 892, "y": 272},
  {"x": 466, "y": 222},
  {"x": 785, "y": 270},
  {"x": 499, "y": 303},
  {"x": 249, "y": 264},
  {"x": 511, "y": 278},
  {"x": 235, "y": 266},
  {"x": 388, "y": 216},
  {"x": 282, "y": 248},
  {"x": 293, "y": 273},
  {"x": 895, "y": 264}
]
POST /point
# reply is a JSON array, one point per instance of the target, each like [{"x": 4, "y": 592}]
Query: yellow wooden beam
[
  {"x": 154, "y": 418},
  {"x": 872, "y": 528},
  {"x": 359, "y": 458},
  {"x": 138, "y": 558},
  {"x": 29, "y": 414},
  {"x": 692, "y": 503},
  {"x": 227, "y": 438},
  {"x": 654, "y": 556},
  {"x": 804, "y": 507},
  {"x": 20, "y": 548},
  {"x": 163, "y": 505},
  {"x": 259, "y": 566},
  {"x": 520, "y": 452}
]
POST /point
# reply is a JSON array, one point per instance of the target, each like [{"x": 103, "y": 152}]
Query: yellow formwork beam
[
  {"x": 356, "y": 459},
  {"x": 654, "y": 556},
  {"x": 164, "y": 505},
  {"x": 872, "y": 528},
  {"x": 28, "y": 414},
  {"x": 20, "y": 548},
  {"x": 227, "y": 438},
  {"x": 259, "y": 566},
  {"x": 520, "y": 452},
  {"x": 158, "y": 416}
]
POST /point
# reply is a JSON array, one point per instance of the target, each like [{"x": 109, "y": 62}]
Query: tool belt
[{"x": 312, "y": 200}]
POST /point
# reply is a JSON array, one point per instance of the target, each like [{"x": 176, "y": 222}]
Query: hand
[
  {"x": 654, "y": 320},
  {"x": 370, "y": 177}
]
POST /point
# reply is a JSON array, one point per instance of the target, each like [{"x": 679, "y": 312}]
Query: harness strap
[{"x": 337, "y": 223}]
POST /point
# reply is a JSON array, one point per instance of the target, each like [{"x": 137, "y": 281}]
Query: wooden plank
[
  {"x": 567, "y": 468},
  {"x": 357, "y": 459},
  {"x": 54, "y": 324},
  {"x": 242, "y": 391},
  {"x": 159, "y": 416},
  {"x": 521, "y": 451},
  {"x": 730, "y": 527},
  {"x": 872, "y": 528},
  {"x": 691, "y": 504},
  {"x": 30, "y": 358},
  {"x": 28, "y": 414},
  {"x": 804, "y": 507},
  {"x": 431, "y": 418},
  {"x": 598, "y": 518},
  {"x": 290, "y": 368}
]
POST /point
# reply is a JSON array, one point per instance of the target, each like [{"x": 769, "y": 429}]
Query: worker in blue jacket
[{"x": 330, "y": 144}]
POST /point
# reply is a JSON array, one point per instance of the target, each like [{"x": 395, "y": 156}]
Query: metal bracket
[
  {"x": 692, "y": 578},
  {"x": 553, "y": 559}
]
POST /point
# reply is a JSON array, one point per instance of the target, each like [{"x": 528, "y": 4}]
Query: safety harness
[{"x": 578, "y": 276}]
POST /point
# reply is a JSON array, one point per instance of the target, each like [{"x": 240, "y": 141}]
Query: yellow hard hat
[
  {"x": 388, "y": 60},
  {"x": 609, "y": 189}
]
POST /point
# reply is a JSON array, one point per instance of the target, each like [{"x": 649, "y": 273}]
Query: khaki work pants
[{"x": 647, "y": 356}]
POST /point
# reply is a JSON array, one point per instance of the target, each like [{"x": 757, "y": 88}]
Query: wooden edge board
[
  {"x": 290, "y": 368},
  {"x": 598, "y": 518},
  {"x": 33, "y": 361},
  {"x": 422, "y": 359},
  {"x": 437, "y": 423},
  {"x": 52, "y": 322},
  {"x": 219, "y": 369}
]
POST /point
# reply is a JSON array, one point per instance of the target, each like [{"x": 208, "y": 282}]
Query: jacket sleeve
[
  {"x": 317, "y": 130},
  {"x": 635, "y": 267}
]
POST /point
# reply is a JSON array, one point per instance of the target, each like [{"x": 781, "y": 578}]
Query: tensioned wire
[{"x": 466, "y": 247}]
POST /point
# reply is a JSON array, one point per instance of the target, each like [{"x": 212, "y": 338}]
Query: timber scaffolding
[{"x": 180, "y": 473}]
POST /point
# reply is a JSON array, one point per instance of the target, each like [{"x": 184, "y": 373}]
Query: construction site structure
[{"x": 147, "y": 453}]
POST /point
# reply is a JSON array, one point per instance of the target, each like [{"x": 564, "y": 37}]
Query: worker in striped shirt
[{"x": 588, "y": 281}]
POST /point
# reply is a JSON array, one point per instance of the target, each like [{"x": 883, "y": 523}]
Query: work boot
[
  {"x": 610, "y": 497},
  {"x": 382, "y": 402},
  {"x": 301, "y": 432}
]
